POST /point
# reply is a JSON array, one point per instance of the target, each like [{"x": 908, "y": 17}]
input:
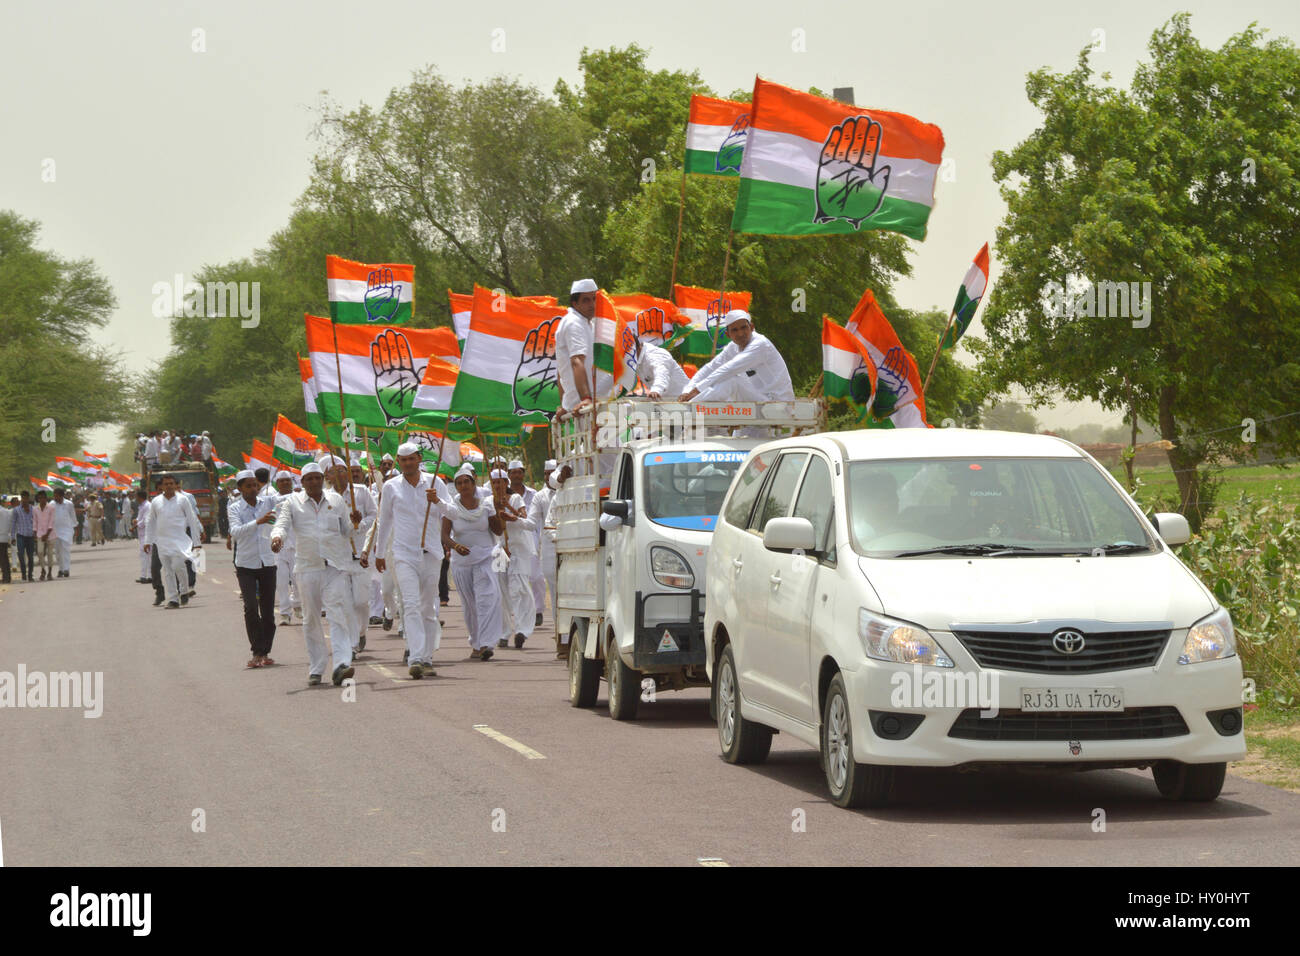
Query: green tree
[
  {"x": 1186, "y": 181},
  {"x": 1010, "y": 417},
  {"x": 54, "y": 381}
]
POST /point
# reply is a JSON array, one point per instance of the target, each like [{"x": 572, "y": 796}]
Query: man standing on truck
[
  {"x": 575, "y": 344},
  {"x": 749, "y": 369}
]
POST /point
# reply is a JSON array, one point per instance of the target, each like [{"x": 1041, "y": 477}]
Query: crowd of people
[
  {"x": 161, "y": 447},
  {"x": 40, "y": 528}
]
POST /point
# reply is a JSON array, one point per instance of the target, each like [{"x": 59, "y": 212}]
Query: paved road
[{"x": 287, "y": 774}]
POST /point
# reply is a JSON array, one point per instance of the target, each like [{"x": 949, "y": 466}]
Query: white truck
[{"x": 633, "y": 524}]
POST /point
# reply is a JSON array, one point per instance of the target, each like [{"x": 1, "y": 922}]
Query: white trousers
[
  {"x": 327, "y": 589},
  {"x": 417, "y": 587},
  {"x": 146, "y": 563},
  {"x": 388, "y": 585},
  {"x": 175, "y": 577},
  {"x": 376, "y": 592},
  {"x": 360, "y": 582},
  {"x": 63, "y": 551},
  {"x": 518, "y": 606},
  {"x": 480, "y": 596},
  {"x": 547, "y": 561},
  {"x": 286, "y": 594}
]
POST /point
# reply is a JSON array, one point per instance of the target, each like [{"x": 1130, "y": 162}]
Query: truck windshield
[
  {"x": 189, "y": 480},
  {"x": 684, "y": 489},
  {"x": 1008, "y": 507}
]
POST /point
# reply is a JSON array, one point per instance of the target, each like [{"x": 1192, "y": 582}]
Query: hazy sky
[{"x": 167, "y": 159}]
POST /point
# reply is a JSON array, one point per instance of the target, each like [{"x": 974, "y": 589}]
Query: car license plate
[{"x": 1071, "y": 698}]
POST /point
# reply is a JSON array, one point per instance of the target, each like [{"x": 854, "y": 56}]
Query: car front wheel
[
  {"x": 584, "y": 675},
  {"x": 742, "y": 741},
  {"x": 1191, "y": 782},
  {"x": 852, "y": 784}
]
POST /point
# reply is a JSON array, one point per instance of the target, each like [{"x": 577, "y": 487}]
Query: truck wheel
[
  {"x": 624, "y": 685},
  {"x": 852, "y": 784},
  {"x": 584, "y": 677},
  {"x": 1191, "y": 782},
  {"x": 743, "y": 741}
]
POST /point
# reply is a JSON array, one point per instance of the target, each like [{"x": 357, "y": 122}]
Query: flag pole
[
  {"x": 722, "y": 292},
  {"x": 370, "y": 462},
  {"x": 428, "y": 505},
  {"x": 681, "y": 212},
  {"x": 937, "y": 349},
  {"x": 338, "y": 369}
]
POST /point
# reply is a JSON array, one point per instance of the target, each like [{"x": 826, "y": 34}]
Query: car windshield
[
  {"x": 1004, "y": 507},
  {"x": 189, "y": 480},
  {"x": 684, "y": 489}
]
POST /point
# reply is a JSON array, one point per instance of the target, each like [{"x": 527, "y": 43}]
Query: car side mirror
[
  {"x": 790, "y": 534},
  {"x": 1172, "y": 527},
  {"x": 619, "y": 508}
]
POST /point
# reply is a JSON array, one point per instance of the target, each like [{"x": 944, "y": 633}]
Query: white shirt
[
  {"x": 401, "y": 518},
  {"x": 168, "y": 520},
  {"x": 252, "y": 540},
  {"x": 321, "y": 530},
  {"x": 366, "y": 506},
  {"x": 575, "y": 336},
  {"x": 754, "y": 375},
  {"x": 659, "y": 371},
  {"x": 6, "y": 524},
  {"x": 151, "y": 449},
  {"x": 142, "y": 512},
  {"x": 65, "y": 519},
  {"x": 205, "y": 447}
]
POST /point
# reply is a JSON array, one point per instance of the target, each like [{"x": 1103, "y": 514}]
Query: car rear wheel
[
  {"x": 851, "y": 784},
  {"x": 624, "y": 685},
  {"x": 742, "y": 741},
  {"x": 1192, "y": 782},
  {"x": 584, "y": 675}
]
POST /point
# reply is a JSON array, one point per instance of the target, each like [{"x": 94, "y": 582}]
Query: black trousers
[
  {"x": 5, "y": 572},
  {"x": 257, "y": 588},
  {"x": 26, "y": 554},
  {"x": 444, "y": 589}
]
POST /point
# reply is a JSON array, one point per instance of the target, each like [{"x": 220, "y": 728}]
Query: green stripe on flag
[
  {"x": 963, "y": 310},
  {"x": 701, "y": 162},
  {"x": 775, "y": 209},
  {"x": 354, "y": 313}
]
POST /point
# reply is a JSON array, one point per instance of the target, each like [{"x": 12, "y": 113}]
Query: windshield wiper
[
  {"x": 981, "y": 549},
  {"x": 1126, "y": 547}
]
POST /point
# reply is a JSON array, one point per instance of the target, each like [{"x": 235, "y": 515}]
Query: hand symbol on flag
[
  {"x": 860, "y": 385},
  {"x": 849, "y": 185},
  {"x": 631, "y": 349},
  {"x": 536, "y": 388},
  {"x": 651, "y": 322},
  {"x": 892, "y": 384},
  {"x": 397, "y": 377},
  {"x": 383, "y": 296},
  {"x": 732, "y": 150},
  {"x": 715, "y": 317}
]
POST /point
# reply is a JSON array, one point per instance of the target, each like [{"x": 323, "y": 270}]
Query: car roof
[{"x": 876, "y": 443}]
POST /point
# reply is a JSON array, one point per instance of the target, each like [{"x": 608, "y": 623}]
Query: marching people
[
  {"x": 95, "y": 515},
  {"x": 412, "y": 501},
  {"x": 43, "y": 519},
  {"x": 25, "y": 536},
  {"x": 545, "y": 577},
  {"x": 469, "y": 526},
  {"x": 322, "y": 525},
  {"x": 362, "y": 510},
  {"x": 373, "y": 613},
  {"x": 255, "y": 565},
  {"x": 174, "y": 534},
  {"x": 141, "y": 525},
  {"x": 517, "y": 602},
  {"x": 6, "y": 537},
  {"x": 286, "y": 592}
]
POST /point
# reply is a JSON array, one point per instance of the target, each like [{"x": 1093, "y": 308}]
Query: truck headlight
[
  {"x": 1209, "y": 639},
  {"x": 670, "y": 569},
  {"x": 889, "y": 640}
]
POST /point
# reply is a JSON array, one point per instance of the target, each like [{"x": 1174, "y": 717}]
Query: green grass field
[{"x": 1276, "y": 482}]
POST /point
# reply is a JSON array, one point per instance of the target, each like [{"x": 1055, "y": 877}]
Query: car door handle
[{"x": 775, "y": 579}]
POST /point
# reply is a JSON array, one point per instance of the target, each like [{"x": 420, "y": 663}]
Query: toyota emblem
[{"x": 1068, "y": 642}]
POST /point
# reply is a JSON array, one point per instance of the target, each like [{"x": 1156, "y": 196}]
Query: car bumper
[{"x": 942, "y": 738}]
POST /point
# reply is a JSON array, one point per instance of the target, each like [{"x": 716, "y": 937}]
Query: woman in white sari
[
  {"x": 469, "y": 527},
  {"x": 519, "y": 606}
]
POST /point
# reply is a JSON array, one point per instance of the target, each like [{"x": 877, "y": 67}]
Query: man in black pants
[
  {"x": 444, "y": 589},
  {"x": 250, "y": 520}
]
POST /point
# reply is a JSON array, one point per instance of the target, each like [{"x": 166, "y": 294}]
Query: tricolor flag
[
  {"x": 292, "y": 445},
  {"x": 898, "y": 380},
  {"x": 58, "y": 481},
  {"x": 120, "y": 478},
  {"x": 968, "y": 298},
  {"x": 309, "y": 391},
  {"x": 446, "y": 346},
  {"x": 37, "y": 484},
  {"x": 360, "y": 293},
  {"x": 705, "y": 309},
  {"x": 262, "y": 457},
  {"x": 433, "y": 398},
  {"x": 65, "y": 465},
  {"x": 507, "y": 368},
  {"x": 649, "y": 315},
  {"x": 462, "y": 305},
  {"x": 224, "y": 470},
  {"x": 381, "y": 368},
  {"x": 715, "y": 136},
  {"x": 847, "y": 368},
  {"x": 818, "y": 167},
  {"x": 95, "y": 459},
  {"x": 615, "y": 348},
  {"x": 84, "y": 468}
]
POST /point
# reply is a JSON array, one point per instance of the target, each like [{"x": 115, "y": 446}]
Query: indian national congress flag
[
  {"x": 814, "y": 166},
  {"x": 359, "y": 293},
  {"x": 715, "y": 136},
  {"x": 705, "y": 311},
  {"x": 968, "y": 298},
  {"x": 848, "y": 370},
  {"x": 292, "y": 445}
]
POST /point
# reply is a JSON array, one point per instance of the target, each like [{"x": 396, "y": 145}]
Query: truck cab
[{"x": 633, "y": 529}]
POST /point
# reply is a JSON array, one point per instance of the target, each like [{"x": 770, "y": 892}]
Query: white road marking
[
  {"x": 2, "y": 846},
  {"x": 510, "y": 742},
  {"x": 711, "y": 861}
]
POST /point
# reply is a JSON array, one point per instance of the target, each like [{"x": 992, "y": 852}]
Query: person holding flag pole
[
  {"x": 469, "y": 528},
  {"x": 339, "y": 473}
]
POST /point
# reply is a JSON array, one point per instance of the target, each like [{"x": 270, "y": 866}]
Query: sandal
[
  {"x": 254, "y": 662},
  {"x": 267, "y": 662}
]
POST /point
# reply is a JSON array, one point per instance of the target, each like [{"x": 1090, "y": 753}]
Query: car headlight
[
  {"x": 670, "y": 568},
  {"x": 1209, "y": 639},
  {"x": 887, "y": 640}
]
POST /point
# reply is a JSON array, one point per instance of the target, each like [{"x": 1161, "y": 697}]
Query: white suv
[{"x": 938, "y": 597}]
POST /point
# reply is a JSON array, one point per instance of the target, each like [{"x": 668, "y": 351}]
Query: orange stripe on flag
[{"x": 339, "y": 268}]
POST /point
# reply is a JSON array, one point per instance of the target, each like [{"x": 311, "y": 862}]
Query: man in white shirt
[
  {"x": 658, "y": 371},
  {"x": 749, "y": 369},
  {"x": 575, "y": 347},
  {"x": 65, "y": 526},
  {"x": 417, "y": 553},
  {"x": 255, "y": 565},
  {"x": 357, "y": 497},
  {"x": 285, "y": 592},
  {"x": 141, "y": 525},
  {"x": 321, "y": 526},
  {"x": 173, "y": 531},
  {"x": 7, "y": 506},
  {"x": 539, "y": 510}
]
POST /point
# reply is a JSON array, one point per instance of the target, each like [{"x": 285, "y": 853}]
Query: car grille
[
  {"x": 1033, "y": 651},
  {"x": 1136, "y": 723}
]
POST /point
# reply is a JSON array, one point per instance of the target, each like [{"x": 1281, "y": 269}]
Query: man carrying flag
[{"x": 255, "y": 565}]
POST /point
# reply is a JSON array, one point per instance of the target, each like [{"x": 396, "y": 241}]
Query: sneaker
[
  {"x": 173, "y": 606},
  {"x": 503, "y": 643},
  {"x": 375, "y": 620},
  {"x": 487, "y": 654},
  {"x": 313, "y": 680},
  {"x": 519, "y": 640},
  {"x": 427, "y": 667},
  {"x": 537, "y": 621},
  {"x": 385, "y": 622},
  {"x": 476, "y": 655},
  {"x": 185, "y": 599},
  {"x": 157, "y": 602},
  {"x": 416, "y": 671},
  {"x": 342, "y": 673}
]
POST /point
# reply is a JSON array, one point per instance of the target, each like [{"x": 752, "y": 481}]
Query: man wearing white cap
[
  {"x": 357, "y": 497},
  {"x": 517, "y": 603},
  {"x": 749, "y": 369},
  {"x": 286, "y": 593},
  {"x": 255, "y": 565},
  {"x": 417, "y": 553},
  {"x": 321, "y": 524},
  {"x": 575, "y": 344},
  {"x": 658, "y": 371}
]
